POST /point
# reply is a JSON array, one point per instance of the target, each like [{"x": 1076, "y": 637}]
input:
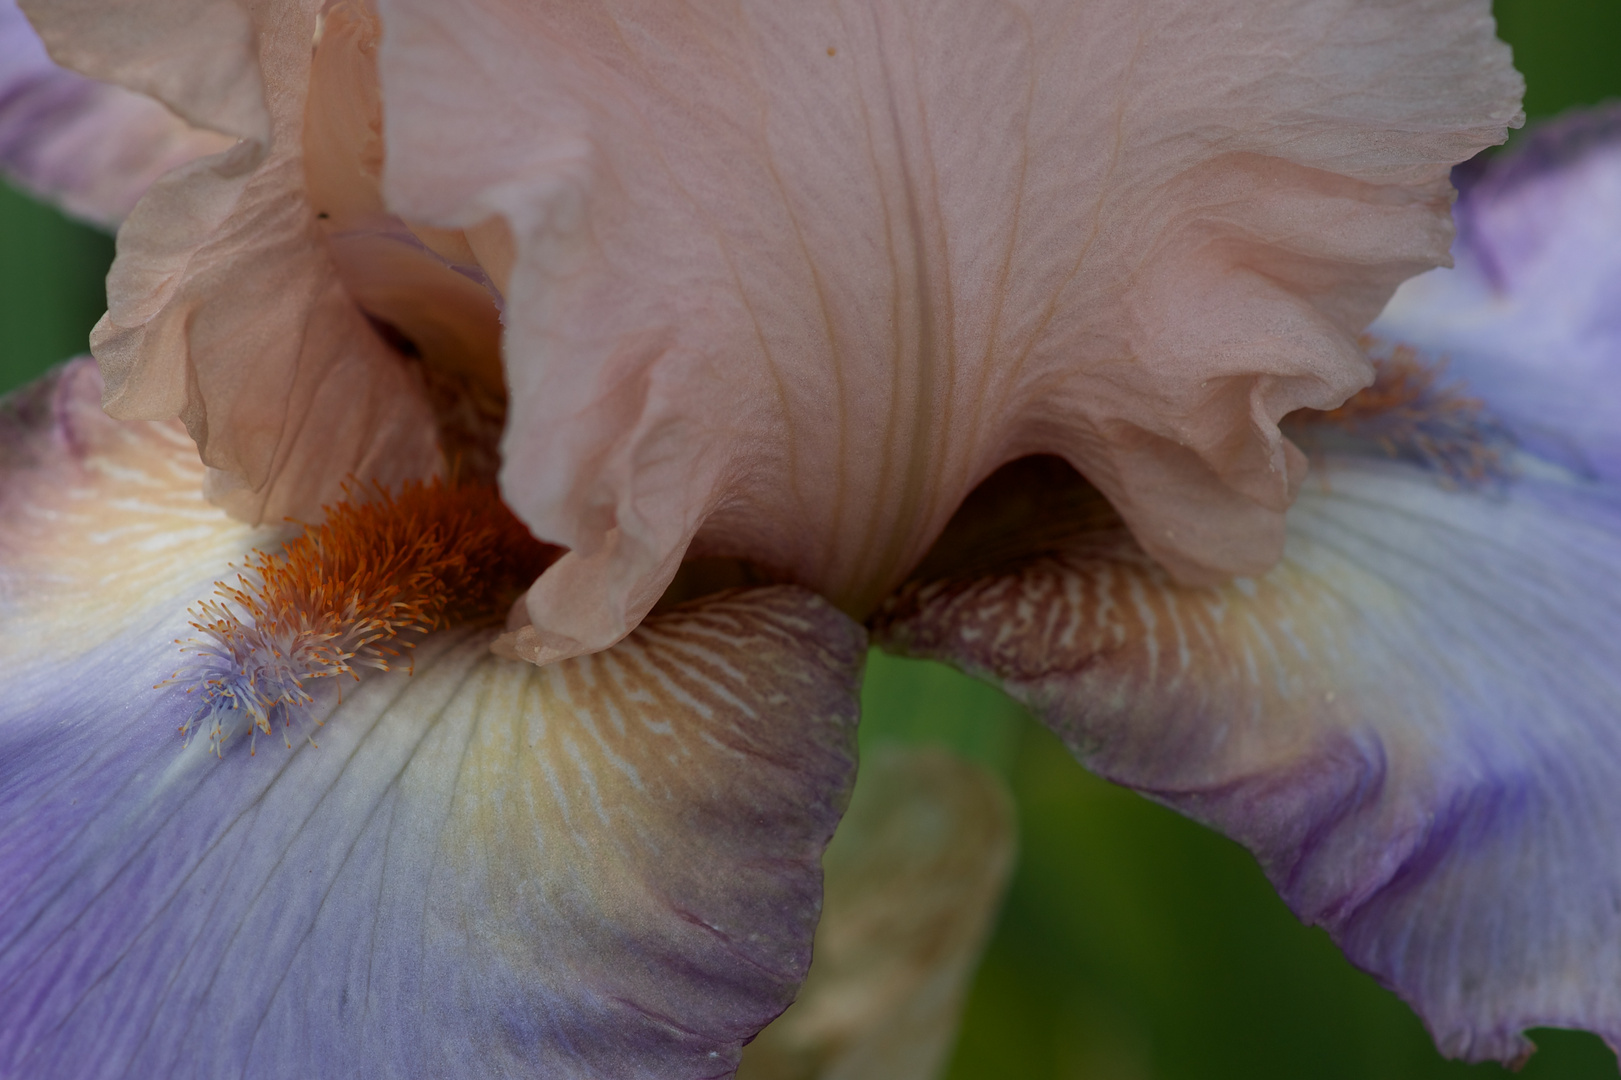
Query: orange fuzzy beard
[{"x": 357, "y": 591}]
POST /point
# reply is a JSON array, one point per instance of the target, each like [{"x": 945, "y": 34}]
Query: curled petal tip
[{"x": 537, "y": 646}]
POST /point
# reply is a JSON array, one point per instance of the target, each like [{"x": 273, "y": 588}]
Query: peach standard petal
[{"x": 785, "y": 281}]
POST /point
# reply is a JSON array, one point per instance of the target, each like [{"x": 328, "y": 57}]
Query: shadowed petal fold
[
  {"x": 784, "y": 282},
  {"x": 89, "y": 147},
  {"x": 606, "y": 868},
  {"x": 1414, "y": 720},
  {"x": 914, "y": 878}
]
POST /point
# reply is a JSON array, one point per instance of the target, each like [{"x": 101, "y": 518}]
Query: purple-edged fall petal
[
  {"x": 89, "y": 147},
  {"x": 1413, "y": 721},
  {"x": 914, "y": 878},
  {"x": 606, "y": 868},
  {"x": 785, "y": 281},
  {"x": 1533, "y": 307}
]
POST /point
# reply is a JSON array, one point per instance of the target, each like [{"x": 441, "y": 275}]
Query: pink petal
[
  {"x": 226, "y": 308},
  {"x": 786, "y": 281}
]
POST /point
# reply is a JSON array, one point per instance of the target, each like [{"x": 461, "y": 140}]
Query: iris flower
[{"x": 441, "y": 656}]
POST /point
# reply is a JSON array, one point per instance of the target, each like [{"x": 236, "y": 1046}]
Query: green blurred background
[{"x": 1133, "y": 945}]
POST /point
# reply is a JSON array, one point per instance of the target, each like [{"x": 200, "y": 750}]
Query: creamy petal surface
[
  {"x": 785, "y": 281},
  {"x": 89, "y": 147},
  {"x": 606, "y": 868}
]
